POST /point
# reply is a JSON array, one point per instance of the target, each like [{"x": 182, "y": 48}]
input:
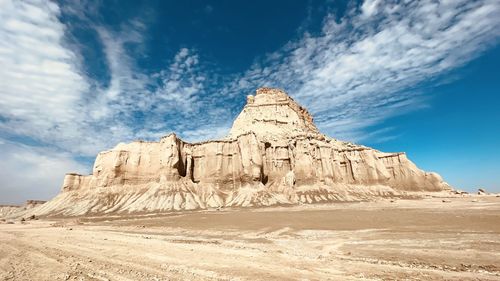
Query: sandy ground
[{"x": 402, "y": 240}]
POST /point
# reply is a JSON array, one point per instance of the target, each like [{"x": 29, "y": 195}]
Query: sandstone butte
[{"x": 274, "y": 154}]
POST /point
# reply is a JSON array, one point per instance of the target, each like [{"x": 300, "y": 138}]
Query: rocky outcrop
[
  {"x": 6, "y": 210},
  {"x": 274, "y": 154},
  {"x": 19, "y": 210}
]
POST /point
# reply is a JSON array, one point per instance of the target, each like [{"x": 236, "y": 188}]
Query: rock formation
[
  {"x": 19, "y": 210},
  {"x": 274, "y": 154}
]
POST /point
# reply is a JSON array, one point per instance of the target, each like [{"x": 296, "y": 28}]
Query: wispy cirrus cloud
[
  {"x": 364, "y": 67},
  {"x": 46, "y": 96},
  {"x": 148, "y": 105},
  {"x": 40, "y": 81}
]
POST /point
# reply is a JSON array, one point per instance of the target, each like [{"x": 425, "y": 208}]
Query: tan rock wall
[
  {"x": 231, "y": 164},
  {"x": 274, "y": 154}
]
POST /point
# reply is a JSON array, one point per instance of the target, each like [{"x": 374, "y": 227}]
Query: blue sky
[{"x": 79, "y": 77}]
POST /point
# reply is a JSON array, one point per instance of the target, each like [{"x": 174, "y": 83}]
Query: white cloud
[
  {"x": 181, "y": 84},
  {"x": 44, "y": 95},
  {"x": 369, "y": 7},
  {"x": 363, "y": 68},
  {"x": 40, "y": 84},
  {"x": 33, "y": 172},
  {"x": 165, "y": 99}
]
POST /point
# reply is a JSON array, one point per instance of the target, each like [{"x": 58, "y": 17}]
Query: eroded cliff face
[{"x": 274, "y": 154}]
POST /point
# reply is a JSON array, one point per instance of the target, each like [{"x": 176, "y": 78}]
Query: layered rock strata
[
  {"x": 19, "y": 210},
  {"x": 274, "y": 154}
]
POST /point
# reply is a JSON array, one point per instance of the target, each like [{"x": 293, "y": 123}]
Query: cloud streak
[
  {"x": 364, "y": 67},
  {"x": 40, "y": 83},
  {"x": 47, "y": 97}
]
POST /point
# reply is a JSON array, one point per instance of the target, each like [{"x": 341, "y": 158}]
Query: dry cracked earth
[{"x": 401, "y": 240}]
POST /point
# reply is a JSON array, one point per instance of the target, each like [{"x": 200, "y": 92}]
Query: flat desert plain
[{"x": 401, "y": 240}]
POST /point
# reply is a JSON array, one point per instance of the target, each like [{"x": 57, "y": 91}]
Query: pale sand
[{"x": 407, "y": 239}]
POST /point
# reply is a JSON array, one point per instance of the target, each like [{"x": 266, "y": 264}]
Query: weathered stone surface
[
  {"x": 12, "y": 210},
  {"x": 274, "y": 154}
]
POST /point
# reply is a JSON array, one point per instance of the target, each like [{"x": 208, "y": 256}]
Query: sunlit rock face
[
  {"x": 274, "y": 154},
  {"x": 272, "y": 115}
]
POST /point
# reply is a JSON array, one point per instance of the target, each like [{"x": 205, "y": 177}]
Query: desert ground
[{"x": 430, "y": 239}]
